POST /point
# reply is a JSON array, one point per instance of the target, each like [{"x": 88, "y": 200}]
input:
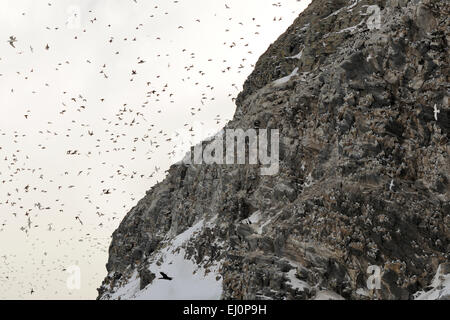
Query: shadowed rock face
[{"x": 364, "y": 174}]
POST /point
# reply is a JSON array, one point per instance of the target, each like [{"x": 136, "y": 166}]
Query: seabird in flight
[{"x": 165, "y": 276}]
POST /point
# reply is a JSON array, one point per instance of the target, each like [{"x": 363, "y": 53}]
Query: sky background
[{"x": 97, "y": 99}]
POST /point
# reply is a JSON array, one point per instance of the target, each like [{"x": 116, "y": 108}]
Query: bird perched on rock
[{"x": 436, "y": 112}]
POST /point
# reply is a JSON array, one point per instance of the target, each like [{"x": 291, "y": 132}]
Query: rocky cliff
[{"x": 359, "y": 92}]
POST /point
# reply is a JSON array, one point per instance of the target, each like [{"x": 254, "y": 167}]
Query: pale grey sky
[{"x": 81, "y": 95}]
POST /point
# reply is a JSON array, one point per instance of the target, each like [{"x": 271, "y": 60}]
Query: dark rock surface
[{"x": 364, "y": 174}]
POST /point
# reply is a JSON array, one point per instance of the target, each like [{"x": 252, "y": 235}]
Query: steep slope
[{"x": 363, "y": 115}]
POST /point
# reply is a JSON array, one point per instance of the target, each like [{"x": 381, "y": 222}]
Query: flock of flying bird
[{"x": 88, "y": 147}]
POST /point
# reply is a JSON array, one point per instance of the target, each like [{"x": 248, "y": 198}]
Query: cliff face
[{"x": 363, "y": 177}]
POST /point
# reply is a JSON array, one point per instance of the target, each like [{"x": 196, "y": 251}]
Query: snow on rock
[
  {"x": 189, "y": 279},
  {"x": 297, "y": 56},
  {"x": 363, "y": 292},
  {"x": 328, "y": 295},
  {"x": 352, "y": 29},
  {"x": 440, "y": 286},
  {"x": 295, "y": 282},
  {"x": 284, "y": 80},
  {"x": 292, "y": 278},
  {"x": 255, "y": 217},
  {"x": 334, "y": 13},
  {"x": 350, "y": 7}
]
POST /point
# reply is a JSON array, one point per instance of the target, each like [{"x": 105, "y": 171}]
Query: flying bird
[
  {"x": 12, "y": 40},
  {"x": 165, "y": 276}
]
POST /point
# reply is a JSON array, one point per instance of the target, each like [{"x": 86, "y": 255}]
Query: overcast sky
[{"x": 94, "y": 96}]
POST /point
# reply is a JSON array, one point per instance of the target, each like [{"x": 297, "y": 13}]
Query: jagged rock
[
  {"x": 363, "y": 176},
  {"x": 146, "y": 278}
]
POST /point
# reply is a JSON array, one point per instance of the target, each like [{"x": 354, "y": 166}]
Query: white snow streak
[
  {"x": 283, "y": 80},
  {"x": 190, "y": 281},
  {"x": 440, "y": 285}
]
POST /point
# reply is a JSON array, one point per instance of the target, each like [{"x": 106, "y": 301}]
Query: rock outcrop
[{"x": 363, "y": 180}]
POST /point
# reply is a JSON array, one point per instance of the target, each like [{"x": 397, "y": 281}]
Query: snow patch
[
  {"x": 297, "y": 56},
  {"x": 284, "y": 80},
  {"x": 440, "y": 288},
  {"x": 189, "y": 279},
  {"x": 256, "y": 222},
  {"x": 328, "y": 295},
  {"x": 350, "y": 7},
  {"x": 362, "y": 292},
  {"x": 334, "y": 13},
  {"x": 295, "y": 282},
  {"x": 255, "y": 217},
  {"x": 351, "y": 29}
]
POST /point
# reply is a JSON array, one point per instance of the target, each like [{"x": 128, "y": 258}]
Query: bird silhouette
[
  {"x": 11, "y": 41},
  {"x": 165, "y": 276}
]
